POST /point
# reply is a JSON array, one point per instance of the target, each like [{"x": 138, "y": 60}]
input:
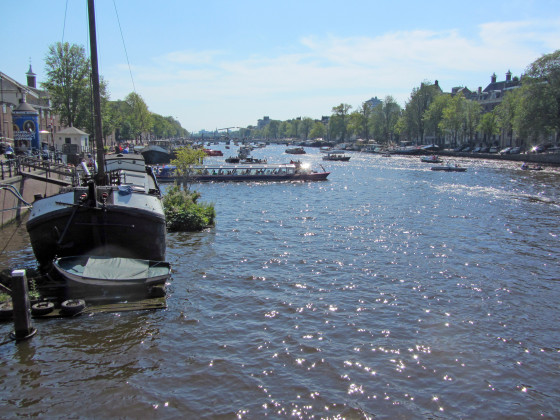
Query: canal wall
[{"x": 12, "y": 209}]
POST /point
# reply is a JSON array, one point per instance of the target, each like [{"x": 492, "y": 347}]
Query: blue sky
[{"x": 216, "y": 63}]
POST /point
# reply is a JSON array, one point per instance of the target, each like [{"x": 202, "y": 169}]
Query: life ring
[
  {"x": 42, "y": 308},
  {"x": 6, "y": 310},
  {"x": 72, "y": 306}
]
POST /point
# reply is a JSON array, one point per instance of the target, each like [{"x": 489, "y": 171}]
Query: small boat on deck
[
  {"x": 336, "y": 156},
  {"x": 431, "y": 159},
  {"x": 449, "y": 167},
  {"x": 294, "y": 171},
  {"x": 296, "y": 151},
  {"x": 110, "y": 277}
]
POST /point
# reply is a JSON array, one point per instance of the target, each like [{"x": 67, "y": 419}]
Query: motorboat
[
  {"x": 527, "y": 167},
  {"x": 336, "y": 155},
  {"x": 431, "y": 159},
  {"x": 296, "y": 151},
  {"x": 293, "y": 171},
  {"x": 210, "y": 152},
  {"x": 449, "y": 167}
]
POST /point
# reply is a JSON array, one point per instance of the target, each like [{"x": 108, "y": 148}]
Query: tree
[
  {"x": 434, "y": 115},
  {"x": 541, "y": 99},
  {"x": 420, "y": 100},
  {"x": 339, "y": 121},
  {"x": 506, "y": 113},
  {"x": 305, "y": 127},
  {"x": 68, "y": 70},
  {"x": 139, "y": 116},
  {"x": 360, "y": 121},
  {"x": 185, "y": 158},
  {"x": 318, "y": 130},
  {"x": 471, "y": 115},
  {"x": 452, "y": 117},
  {"x": 488, "y": 126}
]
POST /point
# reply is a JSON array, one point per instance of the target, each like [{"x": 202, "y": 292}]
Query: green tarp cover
[{"x": 117, "y": 268}]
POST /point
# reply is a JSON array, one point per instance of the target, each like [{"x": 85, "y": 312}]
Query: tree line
[{"x": 68, "y": 83}]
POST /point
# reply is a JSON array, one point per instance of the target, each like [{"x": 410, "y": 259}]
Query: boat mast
[{"x": 98, "y": 130}]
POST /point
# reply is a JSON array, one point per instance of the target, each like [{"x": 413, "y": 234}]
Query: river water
[{"x": 388, "y": 291}]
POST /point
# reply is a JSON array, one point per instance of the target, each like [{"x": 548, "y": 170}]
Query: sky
[{"x": 215, "y": 64}]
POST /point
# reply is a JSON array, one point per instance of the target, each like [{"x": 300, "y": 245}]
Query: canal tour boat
[
  {"x": 116, "y": 210},
  {"x": 293, "y": 171}
]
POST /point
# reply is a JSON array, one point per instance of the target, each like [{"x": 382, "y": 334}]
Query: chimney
[
  {"x": 480, "y": 90},
  {"x": 508, "y": 76},
  {"x": 493, "y": 78},
  {"x": 436, "y": 83},
  {"x": 31, "y": 80}
]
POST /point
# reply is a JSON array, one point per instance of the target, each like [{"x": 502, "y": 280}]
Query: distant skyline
[{"x": 221, "y": 63}]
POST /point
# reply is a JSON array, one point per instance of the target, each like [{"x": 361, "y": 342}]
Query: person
[{"x": 9, "y": 152}]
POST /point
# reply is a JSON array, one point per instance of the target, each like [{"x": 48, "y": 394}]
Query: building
[
  {"x": 493, "y": 94},
  {"x": 24, "y": 108},
  {"x": 71, "y": 141}
]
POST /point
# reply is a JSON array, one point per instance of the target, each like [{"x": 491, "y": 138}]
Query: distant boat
[
  {"x": 527, "y": 167},
  {"x": 210, "y": 152},
  {"x": 450, "y": 167},
  {"x": 336, "y": 155},
  {"x": 296, "y": 151},
  {"x": 155, "y": 155},
  {"x": 431, "y": 159}
]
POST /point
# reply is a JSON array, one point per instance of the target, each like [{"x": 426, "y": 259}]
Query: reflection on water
[{"x": 388, "y": 291}]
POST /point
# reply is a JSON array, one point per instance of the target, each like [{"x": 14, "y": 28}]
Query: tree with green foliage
[
  {"x": 472, "y": 112},
  {"x": 507, "y": 113},
  {"x": 139, "y": 117},
  {"x": 182, "y": 210},
  {"x": 318, "y": 131},
  {"x": 453, "y": 117},
  {"x": 434, "y": 115},
  {"x": 68, "y": 83},
  {"x": 185, "y": 158},
  {"x": 338, "y": 124},
  {"x": 489, "y": 126},
  {"x": 305, "y": 127},
  {"x": 385, "y": 117},
  {"x": 541, "y": 95},
  {"x": 420, "y": 100}
]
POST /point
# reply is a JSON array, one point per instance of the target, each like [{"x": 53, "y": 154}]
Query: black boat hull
[{"x": 118, "y": 232}]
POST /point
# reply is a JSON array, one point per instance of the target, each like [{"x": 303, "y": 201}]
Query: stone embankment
[{"x": 547, "y": 159}]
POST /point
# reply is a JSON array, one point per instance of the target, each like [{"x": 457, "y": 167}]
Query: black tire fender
[
  {"x": 72, "y": 306},
  {"x": 42, "y": 308}
]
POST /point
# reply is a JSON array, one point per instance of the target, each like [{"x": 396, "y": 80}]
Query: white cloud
[{"x": 326, "y": 71}]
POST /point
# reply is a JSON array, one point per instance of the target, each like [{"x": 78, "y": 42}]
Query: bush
[{"x": 184, "y": 214}]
